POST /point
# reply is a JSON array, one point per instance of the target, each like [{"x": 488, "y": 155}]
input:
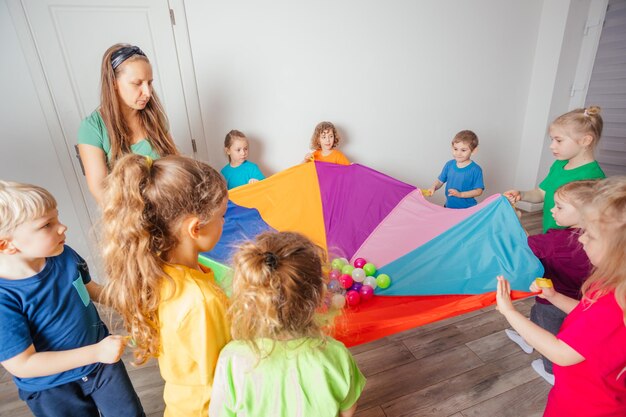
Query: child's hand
[
  {"x": 431, "y": 191},
  {"x": 252, "y": 181},
  {"x": 308, "y": 157},
  {"x": 513, "y": 196},
  {"x": 503, "y": 296},
  {"x": 111, "y": 348},
  {"x": 544, "y": 292},
  {"x": 454, "y": 193}
]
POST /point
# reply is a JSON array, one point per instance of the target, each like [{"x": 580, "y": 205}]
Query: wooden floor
[{"x": 460, "y": 367}]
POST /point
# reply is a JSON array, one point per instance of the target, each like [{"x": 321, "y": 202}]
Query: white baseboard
[{"x": 529, "y": 207}]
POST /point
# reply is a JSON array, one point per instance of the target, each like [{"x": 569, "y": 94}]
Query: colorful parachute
[{"x": 442, "y": 262}]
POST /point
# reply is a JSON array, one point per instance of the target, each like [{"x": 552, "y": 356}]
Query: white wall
[
  {"x": 398, "y": 78},
  {"x": 27, "y": 152}
]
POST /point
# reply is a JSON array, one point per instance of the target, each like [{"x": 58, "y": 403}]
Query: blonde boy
[{"x": 61, "y": 356}]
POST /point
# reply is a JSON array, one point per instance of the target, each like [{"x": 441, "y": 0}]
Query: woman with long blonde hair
[
  {"x": 130, "y": 118},
  {"x": 158, "y": 215}
]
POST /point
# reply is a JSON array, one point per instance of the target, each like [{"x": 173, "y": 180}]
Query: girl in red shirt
[{"x": 589, "y": 352}]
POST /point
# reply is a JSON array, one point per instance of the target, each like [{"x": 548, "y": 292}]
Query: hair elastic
[
  {"x": 585, "y": 113},
  {"x": 122, "y": 54},
  {"x": 271, "y": 260},
  {"x": 149, "y": 162}
]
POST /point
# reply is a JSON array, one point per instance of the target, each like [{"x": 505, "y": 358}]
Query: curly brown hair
[
  {"x": 144, "y": 205},
  {"x": 278, "y": 287},
  {"x": 321, "y": 128}
]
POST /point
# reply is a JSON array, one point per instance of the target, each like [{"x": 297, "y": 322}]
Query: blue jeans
[
  {"x": 105, "y": 392},
  {"x": 550, "y": 318}
]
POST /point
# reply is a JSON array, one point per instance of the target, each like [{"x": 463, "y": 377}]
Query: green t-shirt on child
[
  {"x": 93, "y": 131},
  {"x": 558, "y": 176},
  {"x": 294, "y": 378}
]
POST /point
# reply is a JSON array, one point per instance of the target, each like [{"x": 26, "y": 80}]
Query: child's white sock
[
  {"x": 538, "y": 367},
  {"x": 514, "y": 336}
]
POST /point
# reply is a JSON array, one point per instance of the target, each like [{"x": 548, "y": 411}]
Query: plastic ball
[
  {"x": 338, "y": 301},
  {"x": 337, "y": 263},
  {"x": 370, "y": 281},
  {"x": 356, "y": 286},
  {"x": 353, "y": 298},
  {"x": 383, "y": 281},
  {"x": 345, "y": 261},
  {"x": 334, "y": 286},
  {"x": 369, "y": 269},
  {"x": 358, "y": 274},
  {"x": 366, "y": 292},
  {"x": 334, "y": 274},
  {"x": 359, "y": 262},
  {"x": 347, "y": 269},
  {"x": 346, "y": 281}
]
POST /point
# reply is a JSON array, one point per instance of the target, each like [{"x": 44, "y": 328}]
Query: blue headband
[{"x": 122, "y": 54}]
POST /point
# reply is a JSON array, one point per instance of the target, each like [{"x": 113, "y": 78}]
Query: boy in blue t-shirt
[
  {"x": 61, "y": 356},
  {"x": 462, "y": 176}
]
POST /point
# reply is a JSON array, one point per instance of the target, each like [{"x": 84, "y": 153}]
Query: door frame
[{"x": 51, "y": 116}]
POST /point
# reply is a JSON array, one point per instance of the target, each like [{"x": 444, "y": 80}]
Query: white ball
[
  {"x": 358, "y": 274},
  {"x": 371, "y": 281}
]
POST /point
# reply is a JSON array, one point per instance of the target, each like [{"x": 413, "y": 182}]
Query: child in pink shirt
[
  {"x": 589, "y": 352},
  {"x": 565, "y": 263}
]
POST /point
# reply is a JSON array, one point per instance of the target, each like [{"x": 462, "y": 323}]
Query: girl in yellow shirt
[{"x": 158, "y": 215}]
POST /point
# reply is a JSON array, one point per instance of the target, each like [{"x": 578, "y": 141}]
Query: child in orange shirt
[{"x": 323, "y": 143}]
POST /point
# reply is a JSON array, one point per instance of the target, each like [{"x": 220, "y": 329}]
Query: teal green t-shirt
[
  {"x": 558, "y": 176},
  {"x": 93, "y": 131},
  {"x": 299, "y": 378}
]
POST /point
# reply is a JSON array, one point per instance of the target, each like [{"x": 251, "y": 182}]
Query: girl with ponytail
[
  {"x": 281, "y": 362},
  {"x": 158, "y": 216}
]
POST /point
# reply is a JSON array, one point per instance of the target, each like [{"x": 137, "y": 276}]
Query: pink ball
[
  {"x": 353, "y": 298},
  {"x": 346, "y": 281},
  {"x": 334, "y": 274},
  {"x": 359, "y": 262},
  {"x": 367, "y": 293}
]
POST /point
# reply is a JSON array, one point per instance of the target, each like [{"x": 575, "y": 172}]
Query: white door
[{"x": 71, "y": 37}]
